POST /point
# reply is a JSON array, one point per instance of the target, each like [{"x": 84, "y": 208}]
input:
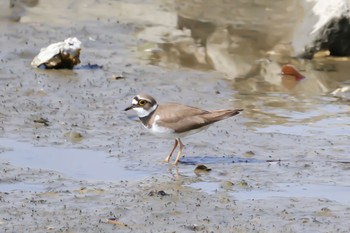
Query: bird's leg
[
  {"x": 180, "y": 152},
  {"x": 172, "y": 151}
]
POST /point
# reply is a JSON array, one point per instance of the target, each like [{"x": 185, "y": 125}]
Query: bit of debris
[
  {"x": 158, "y": 193},
  {"x": 114, "y": 221},
  {"x": 118, "y": 77},
  {"x": 40, "y": 201},
  {"x": 195, "y": 227},
  {"x": 42, "y": 121}
]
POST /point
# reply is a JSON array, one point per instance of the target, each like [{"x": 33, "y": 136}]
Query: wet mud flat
[
  {"x": 237, "y": 195},
  {"x": 282, "y": 165}
]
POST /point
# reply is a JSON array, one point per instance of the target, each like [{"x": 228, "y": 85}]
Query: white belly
[{"x": 168, "y": 133}]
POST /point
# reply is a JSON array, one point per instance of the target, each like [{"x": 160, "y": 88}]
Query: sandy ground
[{"x": 281, "y": 166}]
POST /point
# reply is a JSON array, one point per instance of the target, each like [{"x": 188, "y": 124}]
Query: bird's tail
[{"x": 219, "y": 115}]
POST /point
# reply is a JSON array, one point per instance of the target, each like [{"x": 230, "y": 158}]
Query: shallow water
[
  {"x": 336, "y": 193},
  {"x": 309, "y": 116},
  {"x": 11, "y": 187},
  {"x": 81, "y": 164}
]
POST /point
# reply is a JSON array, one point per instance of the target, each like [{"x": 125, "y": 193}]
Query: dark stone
[
  {"x": 202, "y": 167},
  {"x": 334, "y": 36},
  {"x": 162, "y": 193}
]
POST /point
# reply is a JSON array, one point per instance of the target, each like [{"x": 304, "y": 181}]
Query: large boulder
[{"x": 324, "y": 26}]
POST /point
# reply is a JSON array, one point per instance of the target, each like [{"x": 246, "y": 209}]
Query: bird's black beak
[{"x": 128, "y": 108}]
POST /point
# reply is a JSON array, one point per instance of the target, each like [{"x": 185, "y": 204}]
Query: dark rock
[
  {"x": 160, "y": 193},
  {"x": 334, "y": 36}
]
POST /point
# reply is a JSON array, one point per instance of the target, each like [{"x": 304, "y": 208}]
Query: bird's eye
[{"x": 142, "y": 102}]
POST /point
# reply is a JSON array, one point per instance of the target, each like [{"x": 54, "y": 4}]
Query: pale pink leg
[
  {"x": 172, "y": 151},
  {"x": 180, "y": 152}
]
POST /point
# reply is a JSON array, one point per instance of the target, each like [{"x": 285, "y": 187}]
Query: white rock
[
  {"x": 59, "y": 55},
  {"x": 342, "y": 92},
  {"x": 318, "y": 14}
]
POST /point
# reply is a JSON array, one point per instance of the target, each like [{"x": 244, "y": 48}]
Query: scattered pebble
[
  {"x": 74, "y": 136},
  {"x": 118, "y": 77},
  {"x": 242, "y": 183},
  {"x": 249, "y": 154},
  {"x": 201, "y": 168},
  {"x": 227, "y": 184},
  {"x": 325, "y": 212}
]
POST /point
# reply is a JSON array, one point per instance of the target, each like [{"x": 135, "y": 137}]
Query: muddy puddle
[
  {"x": 7, "y": 188},
  {"x": 81, "y": 164},
  {"x": 327, "y": 192},
  {"x": 281, "y": 165}
]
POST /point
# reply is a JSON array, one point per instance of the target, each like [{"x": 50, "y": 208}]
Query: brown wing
[
  {"x": 219, "y": 115},
  {"x": 187, "y": 118}
]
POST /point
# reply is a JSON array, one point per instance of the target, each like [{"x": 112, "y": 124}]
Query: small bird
[{"x": 175, "y": 121}]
